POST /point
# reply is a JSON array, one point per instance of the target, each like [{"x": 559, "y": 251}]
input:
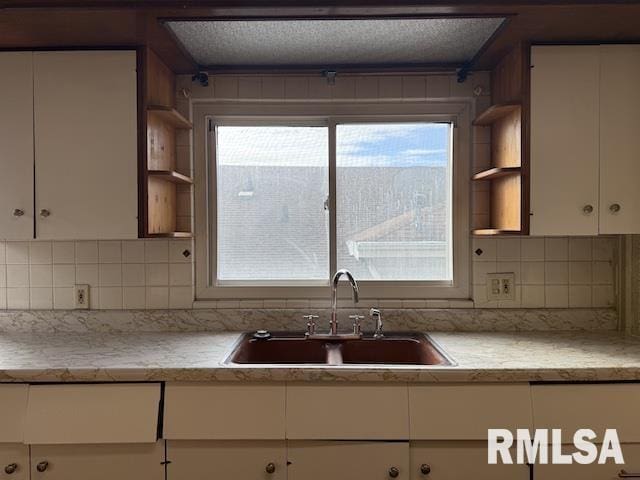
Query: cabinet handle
[
  {"x": 394, "y": 472},
  {"x": 42, "y": 466},
  {"x": 9, "y": 469},
  {"x": 587, "y": 209},
  {"x": 44, "y": 213},
  {"x": 625, "y": 474},
  {"x": 615, "y": 208},
  {"x": 18, "y": 212},
  {"x": 425, "y": 469},
  {"x": 270, "y": 468}
]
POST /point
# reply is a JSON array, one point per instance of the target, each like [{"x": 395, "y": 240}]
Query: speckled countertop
[{"x": 199, "y": 356}]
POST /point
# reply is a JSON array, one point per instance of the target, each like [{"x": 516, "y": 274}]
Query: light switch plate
[
  {"x": 501, "y": 286},
  {"x": 81, "y": 297}
]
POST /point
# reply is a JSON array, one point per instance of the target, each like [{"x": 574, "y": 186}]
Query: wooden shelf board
[
  {"x": 495, "y": 231},
  {"x": 496, "y": 172},
  {"x": 170, "y": 235},
  {"x": 495, "y": 112},
  {"x": 170, "y": 115},
  {"x": 171, "y": 176}
]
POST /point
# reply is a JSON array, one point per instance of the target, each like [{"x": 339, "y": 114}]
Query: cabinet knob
[
  {"x": 44, "y": 213},
  {"x": 18, "y": 212},
  {"x": 425, "y": 469},
  {"x": 42, "y": 466},
  {"x": 615, "y": 208},
  {"x": 587, "y": 209},
  {"x": 270, "y": 468},
  {"x": 394, "y": 472},
  {"x": 9, "y": 469}
]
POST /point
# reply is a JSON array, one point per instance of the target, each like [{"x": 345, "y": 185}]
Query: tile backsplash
[
  {"x": 550, "y": 272},
  {"x": 129, "y": 274}
]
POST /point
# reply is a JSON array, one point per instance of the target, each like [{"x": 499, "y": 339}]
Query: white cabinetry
[
  {"x": 68, "y": 138},
  {"x": 16, "y": 145},
  {"x": 584, "y": 145}
]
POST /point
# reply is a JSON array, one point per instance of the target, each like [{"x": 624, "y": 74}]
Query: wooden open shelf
[
  {"x": 495, "y": 231},
  {"x": 171, "y": 235},
  {"x": 163, "y": 210},
  {"x": 171, "y": 176},
  {"x": 496, "y": 112},
  {"x": 496, "y": 172},
  {"x": 170, "y": 115}
]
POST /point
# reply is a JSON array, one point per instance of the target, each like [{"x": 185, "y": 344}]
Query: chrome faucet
[
  {"x": 375, "y": 314},
  {"x": 333, "y": 324}
]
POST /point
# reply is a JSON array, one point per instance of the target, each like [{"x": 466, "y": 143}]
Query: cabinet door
[
  {"x": 564, "y": 140},
  {"x": 98, "y": 462},
  {"x": 14, "y": 461},
  {"x": 237, "y": 460},
  {"x": 16, "y": 145},
  {"x": 85, "y": 145},
  {"x": 607, "y": 471},
  {"x": 459, "y": 460},
  {"x": 619, "y": 139},
  {"x": 312, "y": 460}
]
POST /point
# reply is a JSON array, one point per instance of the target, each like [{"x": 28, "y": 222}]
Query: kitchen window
[{"x": 290, "y": 199}]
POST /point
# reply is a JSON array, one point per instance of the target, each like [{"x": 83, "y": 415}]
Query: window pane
[
  {"x": 394, "y": 184},
  {"x": 272, "y": 183}
]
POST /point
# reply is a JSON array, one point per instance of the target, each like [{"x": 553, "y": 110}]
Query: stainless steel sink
[{"x": 287, "y": 348}]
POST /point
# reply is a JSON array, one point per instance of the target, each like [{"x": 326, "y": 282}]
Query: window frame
[{"x": 457, "y": 113}]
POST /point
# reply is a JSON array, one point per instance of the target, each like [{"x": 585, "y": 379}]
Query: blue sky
[{"x": 358, "y": 145}]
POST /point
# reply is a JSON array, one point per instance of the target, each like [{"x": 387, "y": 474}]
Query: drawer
[
  {"x": 99, "y": 462},
  {"x": 105, "y": 413},
  {"x": 456, "y": 460},
  {"x": 593, "y": 406},
  {"x": 235, "y": 459},
  {"x": 14, "y": 461},
  {"x": 347, "y": 412},
  {"x": 317, "y": 460},
  {"x": 232, "y": 411},
  {"x": 466, "y": 412},
  {"x": 13, "y": 399},
  {"x": 594, "y": 471}
]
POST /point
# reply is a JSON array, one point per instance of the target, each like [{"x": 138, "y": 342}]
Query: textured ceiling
[{"x": 424, "y": 41}]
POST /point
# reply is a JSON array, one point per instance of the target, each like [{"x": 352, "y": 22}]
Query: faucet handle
[
  {"x": 375, "y": 314},
  {"x": 311, "y": 324},
  {"x": 357, "y": 326}
]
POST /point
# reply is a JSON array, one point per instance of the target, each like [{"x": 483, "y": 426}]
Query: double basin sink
[{"x": 294, "y": 349}]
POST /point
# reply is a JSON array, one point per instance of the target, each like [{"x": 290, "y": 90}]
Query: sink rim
[{"x": 450, "y": 361}]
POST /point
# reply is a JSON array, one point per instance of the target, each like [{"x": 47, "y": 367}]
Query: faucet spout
[{"x": 334, "y": 297}]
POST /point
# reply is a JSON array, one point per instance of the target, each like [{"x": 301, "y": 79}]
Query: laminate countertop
[{"x": 199, "y": 357}]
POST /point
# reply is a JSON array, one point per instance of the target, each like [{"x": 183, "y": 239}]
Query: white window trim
[{"x": 459, "y": 113}]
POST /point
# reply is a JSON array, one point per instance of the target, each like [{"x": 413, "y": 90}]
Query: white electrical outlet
[
  {"x": 501, "y": 286},
  {"x": 81, "y": 295}
]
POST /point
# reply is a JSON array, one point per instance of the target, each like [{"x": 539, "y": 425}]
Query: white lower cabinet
[
  {"x": 237, "y": 460},
  {"x": 595, "y": 471},
  {"x": 458, "y": 460},
  {"x": 14, "y": 461},
  {"x": 98, "y": 462},
  {"x": 320, "y": 460}
]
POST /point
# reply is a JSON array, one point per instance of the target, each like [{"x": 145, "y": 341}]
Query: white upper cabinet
[
  {"x": 564, "y": 140},
  {"x": 585, "y": 148},
  {"x": 85, "y": 120},
  {"x": 619, "y": 139},
  {"x": 16, "y": 145}
]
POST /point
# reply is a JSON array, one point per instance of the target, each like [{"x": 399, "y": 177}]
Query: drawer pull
[
  {"x": 425, "y": 469},
  {"x": 11, "y": 468},
  {"x": 270, "y": 468},
  {"x": 42, "y": 466},
  {"x": 18, "y": 212},
  {"x": 625, "y": 474},
  {"x": 587, "y": 209},
  {"x": 394, "y": 472}
]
